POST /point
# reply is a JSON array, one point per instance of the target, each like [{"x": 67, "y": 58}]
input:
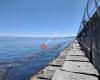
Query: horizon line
[{"x": 31, "y": 35}]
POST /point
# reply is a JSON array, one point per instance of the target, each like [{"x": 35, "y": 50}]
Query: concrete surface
[
  {"x": 71, "y": 64},
  {"x": 63, "y": 75}
]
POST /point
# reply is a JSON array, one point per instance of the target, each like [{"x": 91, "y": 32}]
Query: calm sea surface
[{"x": 22, "y": 57}]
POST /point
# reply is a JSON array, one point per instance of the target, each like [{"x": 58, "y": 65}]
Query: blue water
[{"x": 22, "y": 57}]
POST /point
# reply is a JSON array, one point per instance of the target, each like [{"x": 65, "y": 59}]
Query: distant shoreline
[{"x": 38, "y": 36}]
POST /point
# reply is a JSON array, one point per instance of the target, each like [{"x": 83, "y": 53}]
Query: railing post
[{"x": 97, "y": 7}]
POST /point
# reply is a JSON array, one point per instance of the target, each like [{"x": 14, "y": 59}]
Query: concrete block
[
  {"x": 37, "y": 79},
  {"x": 81, "y": 67},
  {"x": 56, "y": 63},
  {"x": 63, "y": 75},
  {"x": 76, "y": 53},
  {"x": 77, "y": 58},
  {"x": 48, "y": 72}
]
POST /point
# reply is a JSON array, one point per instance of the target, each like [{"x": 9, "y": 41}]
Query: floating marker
[{"x": 43, "y": 46}]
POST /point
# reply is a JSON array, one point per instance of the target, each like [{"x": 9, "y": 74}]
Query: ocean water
[{"x": 22, "y": 57}]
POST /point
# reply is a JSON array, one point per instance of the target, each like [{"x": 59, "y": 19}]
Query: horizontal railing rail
[{"x": 85, "y": 45}]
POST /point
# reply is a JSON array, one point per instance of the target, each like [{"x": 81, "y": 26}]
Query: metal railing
[
  {"x": 89, "y": 32},
  {"x": 91, "y": 7}
]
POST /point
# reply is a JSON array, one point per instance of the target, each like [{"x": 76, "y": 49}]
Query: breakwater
[{"x": 71, "y": 64}]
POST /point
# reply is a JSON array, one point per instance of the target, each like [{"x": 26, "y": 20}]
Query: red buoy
[{"x": 43, "y": 46}]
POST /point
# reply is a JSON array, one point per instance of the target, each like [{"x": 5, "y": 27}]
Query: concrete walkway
[{"x": 71, "y": 64}]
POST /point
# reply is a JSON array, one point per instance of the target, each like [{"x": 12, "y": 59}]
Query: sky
[{"x": 40, "y": 17}]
